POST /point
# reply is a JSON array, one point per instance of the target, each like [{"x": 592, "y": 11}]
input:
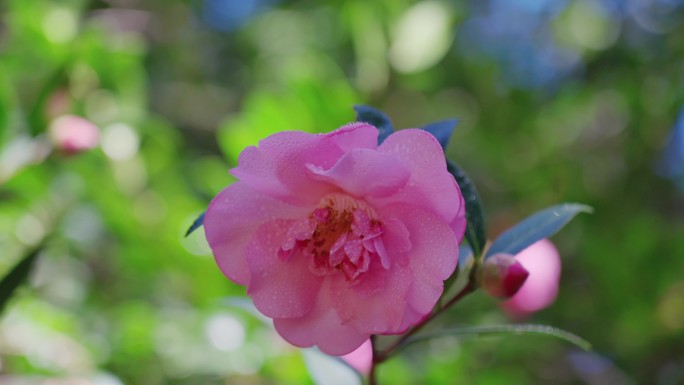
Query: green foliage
[{"x": 16, "y": 277}]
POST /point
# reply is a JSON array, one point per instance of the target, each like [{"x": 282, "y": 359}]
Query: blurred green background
[{"x": 558, "y": 101}]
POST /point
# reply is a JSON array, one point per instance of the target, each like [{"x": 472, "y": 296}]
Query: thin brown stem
[
  {"x": 379, "y": 357},
  {"x": 372, "y": 376}
]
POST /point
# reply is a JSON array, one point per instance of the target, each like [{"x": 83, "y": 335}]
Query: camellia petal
[
  {"x": 431, "y": 257},
  {"x": 427, "y": 186},
  {"x": 459, "y": 223},
  {"x": 322, "y": 327},
  {"x": 376, "y": 304},
  {"x": 354, "y": 135},
  {"x": 272, "y": 287},
  {"x": 364, "y": 172},
  {"x": 231, "y": 220},
  {"x": 279, "y": 166}
]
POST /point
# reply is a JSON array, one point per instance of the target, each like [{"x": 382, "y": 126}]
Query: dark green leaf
[
  {"x": 442, "y": 131},
  {"x": 477, "y": 331},
  {"x": 475, "y": 228},
  {"x": 17, "y": 276},
  {"x": 375, "y": 117},
  {"x": 196, "y": 224},
  {"x": 540, "y": 225}
]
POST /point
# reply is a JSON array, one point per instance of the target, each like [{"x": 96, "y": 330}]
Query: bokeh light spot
[
  {"x": 120, "y": 142},
  {"x": 30, "y": 229},
  {"x": 225, "y": 332},
  {"x": 422, "y": 37},
  {"x": 60, "y": 25}
]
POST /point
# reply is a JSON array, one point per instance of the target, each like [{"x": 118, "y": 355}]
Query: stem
[
  {"x": 372, "y": 376},
  {"x": 387, "y": 353}
]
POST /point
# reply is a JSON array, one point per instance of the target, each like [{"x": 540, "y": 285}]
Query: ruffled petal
[
  {"x": 364, "y": 172},
  {"x": 396, "y": 239},
  {"x": 231, "y": 220},
  {"x": 279, "y": 165},
  {"x": 354, "y": 135},
  {"x": 430, "y": 186},
  {"x": 433, "y": 255},
  {"x": 459, "y": 223},
  {"x": 411, "y": 317},
  {"x": 376, "y": 304},
  {"x": 280, "y": 288},
  {"x": 322, "y": 327}
]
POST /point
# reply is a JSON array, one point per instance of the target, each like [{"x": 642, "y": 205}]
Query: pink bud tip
[
  {"x": 73, "y": 134},
  {"x": 503, "y": 276},
  {"x": 515, "y": 277}
]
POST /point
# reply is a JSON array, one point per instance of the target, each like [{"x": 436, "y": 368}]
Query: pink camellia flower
[
  {"x": 542, "y": 261},
  {"x": 73, "y": 134},
  {"x": 336, "y": 237}
]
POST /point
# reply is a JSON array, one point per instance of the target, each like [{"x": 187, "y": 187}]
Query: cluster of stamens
[{"x": 341, "y": 235}]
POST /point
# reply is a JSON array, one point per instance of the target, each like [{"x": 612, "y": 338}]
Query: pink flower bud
[
  {"x": 542, "y": 260},
  {"x": 73, "y": 134},
  {"x": 502, "y": 275}
]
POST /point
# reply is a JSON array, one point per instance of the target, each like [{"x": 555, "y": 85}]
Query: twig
[
  {"x": 379, "y": 357},
  {"x": 372, "y": 375}
]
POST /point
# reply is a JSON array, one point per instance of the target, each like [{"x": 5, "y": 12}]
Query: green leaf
[
  {"x": 375, "y": 117},
  {"x": 478, "y": 331},
  {"x": 442, "y": 131},
  {"x": 475, "y": 228},
  {"x": 540, "y": 225},
  {"x": 329, "y": 370},
  {"x": 196, "y": 224},
  {"x": 17, "y": 276}
]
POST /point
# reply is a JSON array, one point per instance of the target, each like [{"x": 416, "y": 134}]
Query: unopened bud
[
  {"x": 502, "y": 276},
  {"x": 73, "y": 134}
]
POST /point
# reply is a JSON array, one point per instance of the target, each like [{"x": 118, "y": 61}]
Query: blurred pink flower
[
  {"x": 361, "y": 359},
  {"x": 73, "y": 134},
  {"x": 336, "y": 237},
  {"x": 542, "y": 261}
]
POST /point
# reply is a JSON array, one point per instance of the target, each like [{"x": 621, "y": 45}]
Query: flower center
[{"x": 341, "y": 235}]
